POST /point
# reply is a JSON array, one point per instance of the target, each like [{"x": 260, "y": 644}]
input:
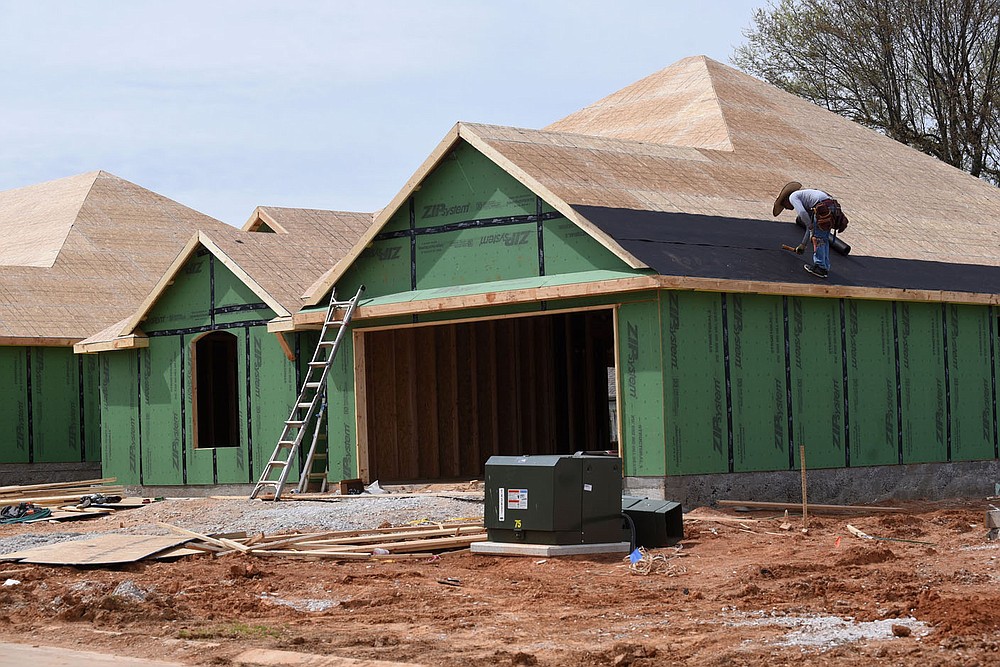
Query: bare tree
[{"x": 924, "y": 72}]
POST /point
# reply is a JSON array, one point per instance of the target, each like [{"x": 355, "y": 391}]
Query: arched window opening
[{"x": 214, "y": 396}]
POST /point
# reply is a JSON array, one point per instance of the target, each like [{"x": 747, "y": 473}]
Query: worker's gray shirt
[{"x": 803, "y": 201}]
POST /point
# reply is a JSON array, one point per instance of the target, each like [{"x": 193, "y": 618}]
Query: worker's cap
[{"x": 782, "y": 201}]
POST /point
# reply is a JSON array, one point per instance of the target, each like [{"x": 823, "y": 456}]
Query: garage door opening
[{"x": 440, "y": 400}]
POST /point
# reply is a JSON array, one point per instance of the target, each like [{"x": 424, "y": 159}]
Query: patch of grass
[{"x": 234, "y": 630}]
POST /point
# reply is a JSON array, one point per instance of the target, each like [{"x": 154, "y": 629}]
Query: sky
[{"x": 229, "y": 105}]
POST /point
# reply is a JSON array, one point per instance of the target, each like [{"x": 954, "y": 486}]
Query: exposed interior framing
[{"x": 436, "y": 401}]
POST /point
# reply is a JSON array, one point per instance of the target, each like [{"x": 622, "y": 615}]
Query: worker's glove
[{"x": 799, "y": 249}]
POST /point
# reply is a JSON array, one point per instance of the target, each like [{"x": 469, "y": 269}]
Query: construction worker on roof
[{"x": 820, "y": 214}]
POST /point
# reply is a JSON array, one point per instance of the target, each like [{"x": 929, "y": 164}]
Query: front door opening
[
  {"x": 215, "y": 401},
  {"x": 440, "y": 400}
]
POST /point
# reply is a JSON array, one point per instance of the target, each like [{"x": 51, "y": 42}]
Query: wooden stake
[{"x": 805, "y": 505}]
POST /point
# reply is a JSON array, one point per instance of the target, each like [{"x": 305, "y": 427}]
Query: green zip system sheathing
[
  {"x": 341, "y": 413},
  {"x": 640, "y": 387},
  {"x": 694, "y": 382},
  {"x": 470, "y": 222},
  {"x": 745, "y": 379},
  {"x": 817, "y": 379},
  {"x": 755, "y": 326},
  {"x": 48, "y": 404},
  {"x": 148, "y": 394},
  {"x": 922, "y": 382},
  {"x": 971, "y": 380}
]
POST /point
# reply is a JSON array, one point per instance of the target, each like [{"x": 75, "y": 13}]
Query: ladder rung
[
  {"x": 276, "y": 462},
  {"x": 317, "y": 364},
  {"x": 284, "y": 444},
  {"x": 305, "y": 405},
  {"x": 315, "y": 475},
  {"x": 319, "y": 456},
  {"x": 295, "y": 422},
  {"x": 313, "y": 385},
  {"x": 325, "y": 343}
]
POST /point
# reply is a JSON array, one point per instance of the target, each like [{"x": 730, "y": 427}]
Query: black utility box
[
  {"x": 554, "y": 500},
  {"x": 658, "y": 523}
]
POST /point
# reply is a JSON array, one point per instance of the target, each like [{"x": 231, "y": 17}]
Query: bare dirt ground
[{"x": 735, "y": 594}]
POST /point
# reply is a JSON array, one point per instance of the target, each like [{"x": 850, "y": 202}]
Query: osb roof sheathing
[
  {"x": 80, "y": 253},
  {"x": 285, "y": 263},
  {"x": 702, "y": 138},
  {"x": 902, "y": 203},
  {"x": 337, "y": 228},
  {"x": 277, "y": 266}
]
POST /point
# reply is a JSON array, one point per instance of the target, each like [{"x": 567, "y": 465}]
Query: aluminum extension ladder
[{"x": 310, "y": 405}]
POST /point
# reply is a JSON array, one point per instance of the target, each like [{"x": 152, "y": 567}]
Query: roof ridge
[
  {"x": 677, "y": 105},
  {"x": 715, "y": 96}
]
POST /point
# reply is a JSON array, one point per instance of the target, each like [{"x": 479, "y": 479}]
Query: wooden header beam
[
  {"x": 130, "y": 342},
  {"x": 488, "y": 299},
  {"x": 312, "y": 320}
]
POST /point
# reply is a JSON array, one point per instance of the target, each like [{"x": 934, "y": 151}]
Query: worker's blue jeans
[
  {"x": 821, "y": 242},
  {"x": 821, "y": 247}
]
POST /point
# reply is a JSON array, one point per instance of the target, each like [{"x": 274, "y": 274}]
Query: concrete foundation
[
  {"x": 548, "y": 550},
  {"x": 44, "y": 473},
  {"x": 843, "y": 486}
]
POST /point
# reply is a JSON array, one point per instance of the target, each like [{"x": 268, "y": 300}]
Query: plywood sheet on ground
[{"x": 103, "y": 550}]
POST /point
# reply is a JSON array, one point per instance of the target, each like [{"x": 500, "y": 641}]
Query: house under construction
[
  {"x": 76, "y": 255},
  {"x": 612, "y": 281},
  {"x": 519, "y": 269},
  {"x": 194, "y": 390}
]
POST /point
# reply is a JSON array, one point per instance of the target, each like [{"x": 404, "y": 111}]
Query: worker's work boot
[{"x": 816, "y": 270}]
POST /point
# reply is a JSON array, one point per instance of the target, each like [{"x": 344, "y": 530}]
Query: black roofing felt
[{"x": 702, "y": 246}]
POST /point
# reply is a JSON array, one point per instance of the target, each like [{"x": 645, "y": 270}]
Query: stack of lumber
[
  {"x": 55, "y": 494},
  {"x": 403, "y": 542}
]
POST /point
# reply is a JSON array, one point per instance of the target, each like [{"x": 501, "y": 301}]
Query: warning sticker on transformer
[{"x": 517, "y": 499}]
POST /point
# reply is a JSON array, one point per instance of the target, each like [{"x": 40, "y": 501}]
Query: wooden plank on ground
[
  {"x": 278, "y": 541},
  {"x": 217, "y": 541},
  {"x": 126, "y": 503},
  {"x": 326, "y": 497},
  {"x": 103, "y": 550},
  {"x": 264, "y": 657},
  {"x": 754, "y": 504},
  {"x": 344, "y": 555},
  {"x": 434, "y": 543},
  {"x": 18, "y": 488},
  {"x": 57, "y": 500},
  {"x": 177, "y": 552},
  {"x": 420, "y": 536}
]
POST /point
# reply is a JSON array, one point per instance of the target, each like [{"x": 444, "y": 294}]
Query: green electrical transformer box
[{"x": 554, "y": 500}]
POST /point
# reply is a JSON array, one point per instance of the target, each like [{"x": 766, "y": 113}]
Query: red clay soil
[{"x": 735, "y": 594}]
